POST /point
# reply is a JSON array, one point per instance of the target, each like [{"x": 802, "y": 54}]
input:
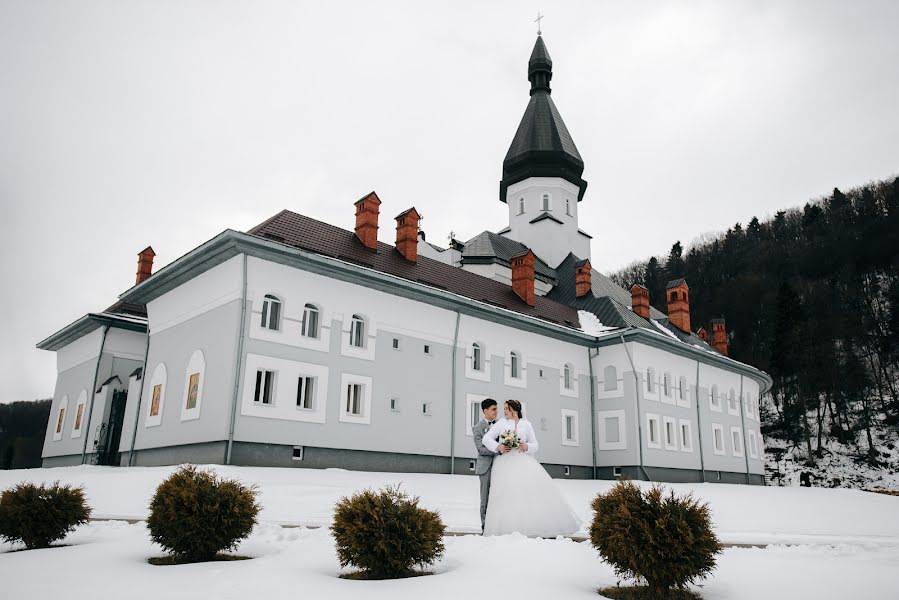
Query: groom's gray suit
[{"x": 483, "y": 467}]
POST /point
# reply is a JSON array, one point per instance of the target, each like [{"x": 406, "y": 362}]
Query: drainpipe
[
  {"x": 140, "y": 395},
  {"x": 239, "y": 362},
  {"x": 592, "y": 406},
  {"x": 743, "y": 425},
  {"x": 453, "y": 399},
  {"x": 637, "y": 392},
  {"x": 90, "y": 406},
  {"x": 699, "y": 426}
]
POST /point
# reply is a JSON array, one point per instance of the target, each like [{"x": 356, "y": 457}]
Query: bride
[{"x": 523, "y": 497}]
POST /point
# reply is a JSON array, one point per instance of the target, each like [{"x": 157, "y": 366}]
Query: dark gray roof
[
  {"x": 675, "y": 282},
  {"x": 688, "y": 338},
  {"x": 543, "y": 217},
  {"x": 489, "y": 247},
  {"x": 604, "y": 286},
  {"x": 542, "y": 146}
]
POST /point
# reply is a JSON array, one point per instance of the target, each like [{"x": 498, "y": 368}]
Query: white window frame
[
  {"x": 568, "y": 207},
  {"x": 358, "y": 335},
  {"x": 473, "y": 407},
  {"x": 716, "y": 448},
  {"x": 683, "y": 392},
  {"x": 308, "y": 311},
  {"x": 601, "y": 417},
  {"x": 80, "y": 404},
  {"x": 650, "y": 443},
  {"x": 651, "y": 385},
  {"x": 667, "y": 391},
  {"x": 349, "y": 329},
  {"x": 546, "y": 202},
  {"x": 347, "y": 379},
  {"x": 284, "y": 390},
  {"x": 685, "y": 433},
  {"x": 484, "y": 373},
  {"x": 266, "y": 321},
  {"x": 521, "y": 380},
  {"x": 669, "y": 425},
  {"x": 426, "y": 349},
  {"x": 753, "y": 443},
  {"x": 160, "y": 376},
  {"x": 196, "y": 365},
  {"x": 733, "y": 406},
  {"x": 610, "y": 375},
  {"x": 302, "y": 398},
  {"x": 394, "y": 404},
  {"x": 571, "y": 390},
  {"x": 59, "y": 424},
  {"x": 715, "y": 399},
  {"x": 521, "y": 206},
  {"x": 260, "y": 387},
  {"x": 427, "y": 409},
  {"x": 736, "y": 432},
  {"x": 568, "y": 413}
]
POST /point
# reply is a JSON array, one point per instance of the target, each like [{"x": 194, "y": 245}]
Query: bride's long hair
[{"x": 515, "y": 406}]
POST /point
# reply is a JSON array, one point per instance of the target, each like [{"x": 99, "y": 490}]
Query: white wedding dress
[{"x": 523, "y": 497}]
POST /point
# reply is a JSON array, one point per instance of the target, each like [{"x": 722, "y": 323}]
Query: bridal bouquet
[{"x": 509, "y": 439}]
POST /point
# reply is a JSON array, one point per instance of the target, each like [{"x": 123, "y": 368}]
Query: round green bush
[
  {"x": 664, "y": 540},
  {"x": 386, "y": 533},
  {"x": 195, "y": 514},
  {"x": 39, "y": 515}
]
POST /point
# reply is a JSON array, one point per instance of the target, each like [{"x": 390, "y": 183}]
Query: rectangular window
[
  {"x": 395, "y": 404},
  {"x": 354, "y": 399},
  {"x": 357, "y": 332},
  {"x": 718, "y": 438},
  {"x": 686, "y": 436},
  {"x": 714, "y": 399},
  {"x": 426, "y": 408},
  {"x": 476, "y": 414},
  {"x": 193, "y": 387},
  {"x": 306, "y": 392},
  {"x": 310, "y": 322},
  {"x": 396, "y": 343},
  {"x": 427, "y": 348},
  {"x": 653, "y": 433},
  {"x": 157, "y": 399},
  {"x": 297, "y": 453},
  {"x": 736, "y": 436},
  {"x": 570, "y": 427},
  {"x": 471, "y": 464},
  {"x": 753, "y": 443},
  {"x": 670, "y": 433},
  {"x": 264, "y": 386},
  {"x": 616, "y": 471},
  {"x": 567, "y": 471}
]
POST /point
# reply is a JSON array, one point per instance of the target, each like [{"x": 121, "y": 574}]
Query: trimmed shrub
[
  {"x": 195, "y": 514},
  {"x": 386, "y": 534},
  {"x": 39, "y": 515},
  {"x": 664, "y": 540}
]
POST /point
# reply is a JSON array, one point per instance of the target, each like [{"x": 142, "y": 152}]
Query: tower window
[
  {"x": 545, "y": 202},
  {"x": 567, "y": 207},
  {"x": 521, "y": 206}
]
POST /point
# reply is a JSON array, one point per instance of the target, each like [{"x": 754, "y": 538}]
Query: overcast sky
[{"x": 124, "y": 124}]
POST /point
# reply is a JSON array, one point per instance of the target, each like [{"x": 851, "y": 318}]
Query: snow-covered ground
[{"x": 848, "y": 543}]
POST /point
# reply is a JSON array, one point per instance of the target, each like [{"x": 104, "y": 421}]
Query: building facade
[{"x": 299, "y": 344}]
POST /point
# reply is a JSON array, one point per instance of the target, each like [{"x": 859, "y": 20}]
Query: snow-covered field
[{"x": 846, "y": 543}]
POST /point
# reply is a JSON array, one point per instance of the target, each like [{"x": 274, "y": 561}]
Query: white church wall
[
  {"x": 503, "y": 274},
  {"x": 82, "y": 349},
  {"x": 125, "y": 344},
  {"x": 69, "y": 384},
  {"x": 726, "y": 459}
]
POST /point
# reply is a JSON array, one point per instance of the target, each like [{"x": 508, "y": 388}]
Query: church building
[{"x": 301, "y": 344}]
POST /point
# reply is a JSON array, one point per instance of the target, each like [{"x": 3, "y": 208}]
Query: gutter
[
  {"x": 140, "y": 397},
  {"x": 90, "y": 407},
  {"x": 743, "y": 435},
  {"x": 592, "y": 407},
  {"x": 453, "y": 399},
  {"x": 637, "y": 392},
  {"x": 699, "y": 424},
  {"x": 239, "y": 366}
]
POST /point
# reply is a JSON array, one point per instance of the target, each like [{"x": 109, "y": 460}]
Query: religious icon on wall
[
  {"x": 193, "y": 387},
  {"x": 61, "y": 420},
  {"x": 157, "y": 397},
  {"x": 78, "y": 415}
]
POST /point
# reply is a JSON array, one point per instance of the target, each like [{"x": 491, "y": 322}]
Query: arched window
[
  {"x": 714, "y": 398},
  {"x": 568, "y": 207},
  {"x": 566, "y": 377},
  {"x": 545, "y": 202},
  {"x": 521, "y": 206},
  {"x": 674, "y": 295},
  {"x": 667, "y": 384},
  {"x": 271, "y": 312},
  {"x": 310, "y": 321},
  {"x": 476, "y": 361},
  {"x": 610, "y": 376},
  {"x": 513, "y": 365},
  {"x": 357, "y": 332},
  {"x": 650, "y": 380}
]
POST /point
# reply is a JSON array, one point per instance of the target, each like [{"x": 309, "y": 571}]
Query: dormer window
[
  {"x": 521, "y": 206},
  {"x": 545, "y": 206},
  {"x": 271, "y": 312}
]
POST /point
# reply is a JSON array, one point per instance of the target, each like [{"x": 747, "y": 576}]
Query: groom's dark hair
[{"x": 487, "y": 403}]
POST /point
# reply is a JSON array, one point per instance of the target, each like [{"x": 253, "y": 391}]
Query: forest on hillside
[{"x": 811, "y": 296}]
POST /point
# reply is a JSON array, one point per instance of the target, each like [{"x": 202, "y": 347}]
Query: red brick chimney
[
  {"x": 144, "y": 264},
  {"x": 719, "y": 336},
  {"x": 523, "y": 276},
  {"x": 582, "y": 278},
  {"x": 407, "y": 234},
  {"x": 678, "y": 304},
  {"x": 367, "y": 210},
  {"x": 640, "y": 300},
  {"x": 703, "y": 334}
]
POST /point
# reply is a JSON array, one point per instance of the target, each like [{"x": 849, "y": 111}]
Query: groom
[{"x": 485, "y": 457}]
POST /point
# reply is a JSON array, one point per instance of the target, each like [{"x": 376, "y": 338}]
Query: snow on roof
[
  {"x": 590, "y": 324},
  {"x": 664, "y": 329}
]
